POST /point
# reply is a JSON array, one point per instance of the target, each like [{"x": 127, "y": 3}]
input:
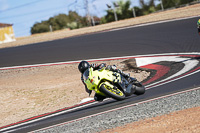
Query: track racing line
[{"x": 171, "y": 74}]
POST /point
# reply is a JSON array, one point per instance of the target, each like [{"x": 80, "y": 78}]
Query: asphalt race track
[{"x": 169, "y": 37}]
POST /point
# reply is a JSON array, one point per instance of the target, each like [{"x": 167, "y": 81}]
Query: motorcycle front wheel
[{"x": 114, "y": 92}]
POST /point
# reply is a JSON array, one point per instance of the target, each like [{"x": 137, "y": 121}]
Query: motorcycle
[{"x": 111, "y": 84}]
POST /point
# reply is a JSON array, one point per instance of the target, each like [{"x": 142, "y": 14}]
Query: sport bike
[{"x": 111, "y": 84}]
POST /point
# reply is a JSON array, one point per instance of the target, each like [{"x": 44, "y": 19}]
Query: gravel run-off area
[{"x": 190, "y": 120}]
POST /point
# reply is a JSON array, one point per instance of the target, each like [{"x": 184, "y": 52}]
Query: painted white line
[
  {"x": 100, "y": 59},
  {"x": 51, "y": 115},
  {"x": 135, "y": 104},
  {"x": 31, "y": 121},
  {"x": 39, "y": 65},
  {"x": 149, "y": 86},
  {"x": 150, "y": 60},
  {"x": 86, "y": 100},
  {"x": 189, "y": 64}
]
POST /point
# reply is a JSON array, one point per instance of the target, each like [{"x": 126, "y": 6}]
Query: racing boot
[{"x": 99, "y": 98}]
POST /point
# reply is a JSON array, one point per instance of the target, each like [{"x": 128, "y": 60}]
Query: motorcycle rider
[
  {"x": 198, "y": 26},
  {"x": 84, "y": 65}
]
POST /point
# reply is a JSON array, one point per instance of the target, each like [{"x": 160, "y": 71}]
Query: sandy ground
[
  {"x": 184, "y": 121},
  {"x": 29, "y": 92},
  {"x": 193, "y": 10}
]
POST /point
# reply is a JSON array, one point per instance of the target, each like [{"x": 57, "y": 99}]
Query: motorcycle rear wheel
[
  {"x": 139, "y": 89},
  {"x": 115, "y": 93}
]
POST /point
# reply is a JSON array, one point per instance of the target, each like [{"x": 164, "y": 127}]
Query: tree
[
  {"x": 138, "y": 11},
  {"x": 181, "y": 2},
  {"x": 40, "y": 28},
  {"x": 147, "y": 7},
  {"x": 61, "y": 21},
  {"x": 173, "y": 3},
  {"x": 123, "y": 12}
]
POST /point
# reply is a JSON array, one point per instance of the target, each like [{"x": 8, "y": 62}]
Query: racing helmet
[{"x": 83, "y": 65}]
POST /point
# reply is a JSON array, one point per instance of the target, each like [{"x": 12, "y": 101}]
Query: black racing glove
[{"x": 93, "y": 65}]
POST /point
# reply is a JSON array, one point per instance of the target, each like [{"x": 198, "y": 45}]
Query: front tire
[{"x": 115, "y": 93}]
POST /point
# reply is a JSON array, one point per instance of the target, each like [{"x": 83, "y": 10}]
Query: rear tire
[
  {"x": 139, "y": 89},
  {"x": 111, "y": 92}
]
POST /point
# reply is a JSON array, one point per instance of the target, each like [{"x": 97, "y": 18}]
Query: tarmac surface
[{"x": 169, "y": 37}]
